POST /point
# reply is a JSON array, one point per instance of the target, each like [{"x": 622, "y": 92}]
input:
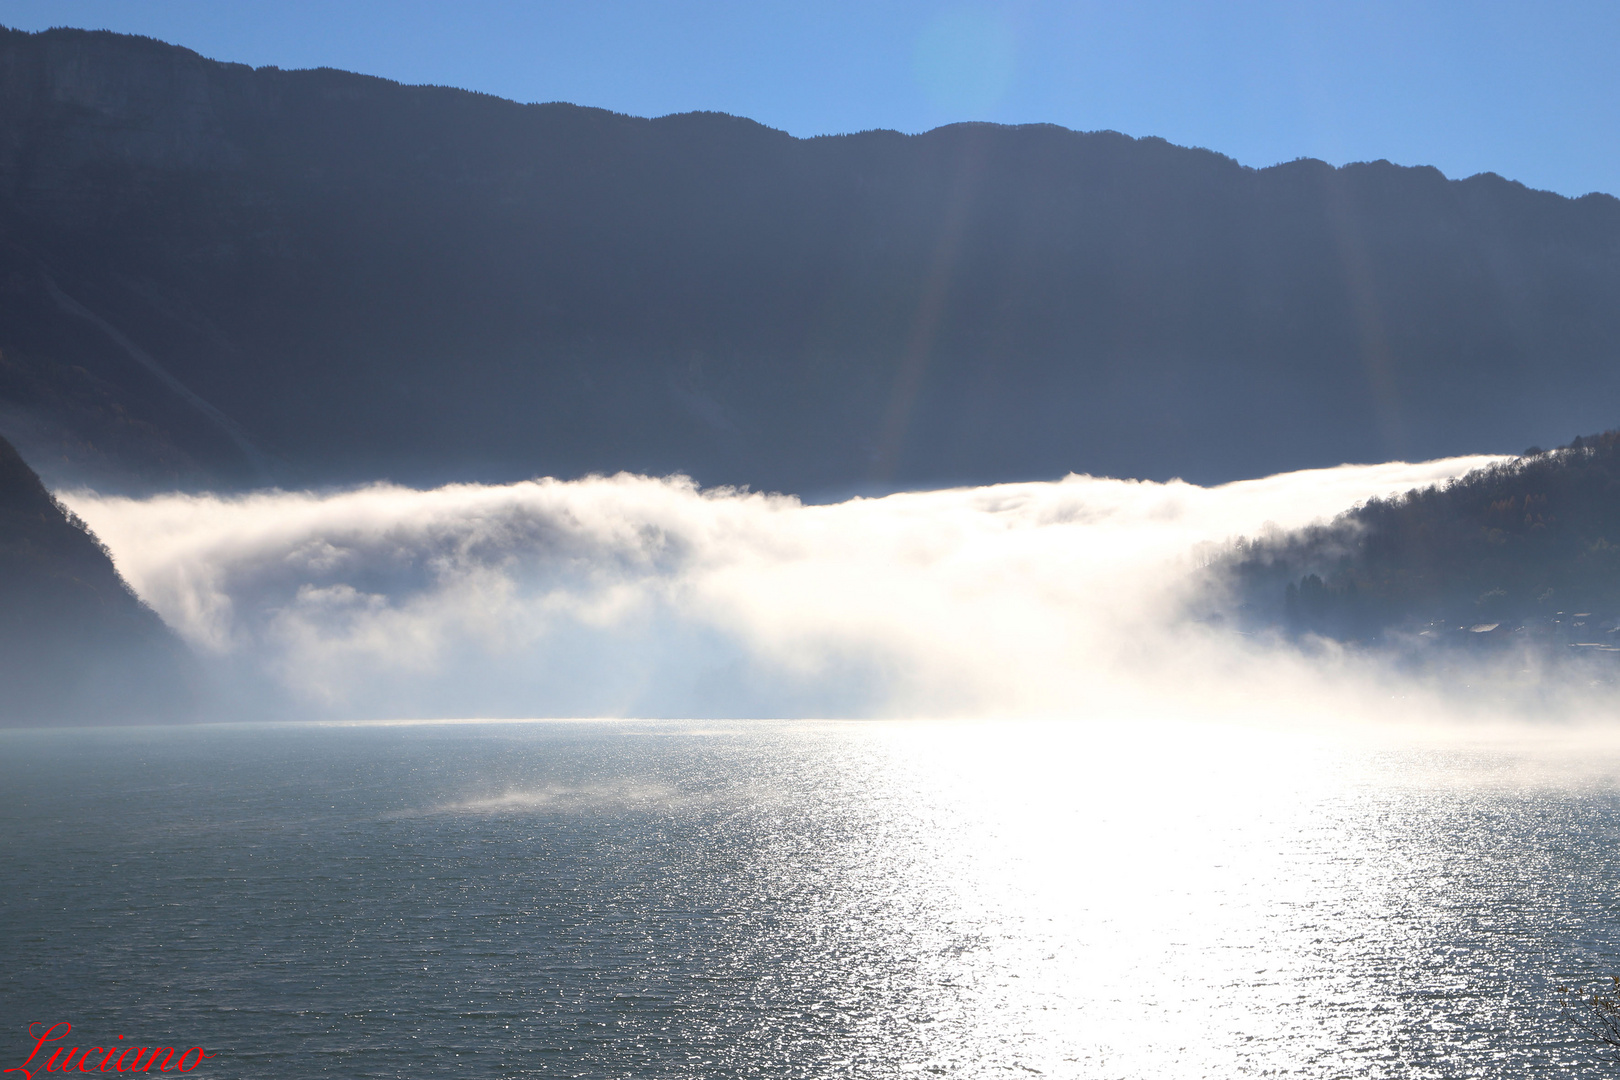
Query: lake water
[{"x": 789, "y": 899}]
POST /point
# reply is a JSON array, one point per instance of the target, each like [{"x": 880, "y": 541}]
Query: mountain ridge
[{"x": 358, "y": 279}]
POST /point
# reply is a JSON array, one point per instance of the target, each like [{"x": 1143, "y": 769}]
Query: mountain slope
[
  {"x": 1529, "y": 547},
  {"x": 217, "y": 276},
  {"x": 75, "y": 643}
]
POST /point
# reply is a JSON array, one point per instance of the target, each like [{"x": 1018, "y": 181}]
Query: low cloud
[{"x": 633, "y": 596}]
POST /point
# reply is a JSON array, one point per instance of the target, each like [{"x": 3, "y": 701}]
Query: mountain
[
  {"x": 75, "y": 643},
  {"x": 216, "y": 276},
  {"x": 1528, "y": 549}
]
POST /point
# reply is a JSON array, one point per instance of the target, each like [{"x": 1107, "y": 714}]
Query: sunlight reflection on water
[{"x": 810, "y": 899}]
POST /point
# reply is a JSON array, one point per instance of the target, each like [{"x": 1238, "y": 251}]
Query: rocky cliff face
[
  {"x": 218, "y": 276},
  {"x": 83, "y": 99},
  {"x": 76, "y": 644}
]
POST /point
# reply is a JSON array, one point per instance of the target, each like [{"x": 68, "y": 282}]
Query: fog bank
[{"x": 632, "y": 596}]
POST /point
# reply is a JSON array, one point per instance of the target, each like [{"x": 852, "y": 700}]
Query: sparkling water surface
[{"x": 789, "y": 899}]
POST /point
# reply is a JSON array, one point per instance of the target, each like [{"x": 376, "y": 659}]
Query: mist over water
[
  {"x": 1136, "y": 899},
  {"x": 634, "y": 596},
  {"x": 1194, "y": 868}
]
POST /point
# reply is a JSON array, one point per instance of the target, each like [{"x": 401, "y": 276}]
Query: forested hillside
[
  {"x": 1529, "y": 547},
  {"x": 215, "y": 276}
]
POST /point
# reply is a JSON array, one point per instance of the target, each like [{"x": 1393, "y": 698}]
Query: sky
[{"x": 1526, "y": 90}]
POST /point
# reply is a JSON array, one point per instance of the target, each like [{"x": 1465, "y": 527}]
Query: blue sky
[{"x": 1531, "y": 91}]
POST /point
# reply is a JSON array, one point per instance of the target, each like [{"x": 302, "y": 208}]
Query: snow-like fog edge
[{"x": 638, "y": 596}]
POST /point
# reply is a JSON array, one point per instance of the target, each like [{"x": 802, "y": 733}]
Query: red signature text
[{"x": 120, "y": 1058}]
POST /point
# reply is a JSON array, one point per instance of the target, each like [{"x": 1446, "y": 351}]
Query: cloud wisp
[{"x": 635, "y": 596}]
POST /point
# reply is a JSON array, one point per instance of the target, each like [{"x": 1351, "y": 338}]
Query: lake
[{"x": 807, "y": 899}]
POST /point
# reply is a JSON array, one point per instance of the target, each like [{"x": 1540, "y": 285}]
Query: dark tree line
[{"x": 1529, "y": 546}]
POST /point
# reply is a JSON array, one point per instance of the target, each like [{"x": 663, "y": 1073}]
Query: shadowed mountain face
[
  {"x": 216, "y": 276},
  {"x": 75, "y": 643}
]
